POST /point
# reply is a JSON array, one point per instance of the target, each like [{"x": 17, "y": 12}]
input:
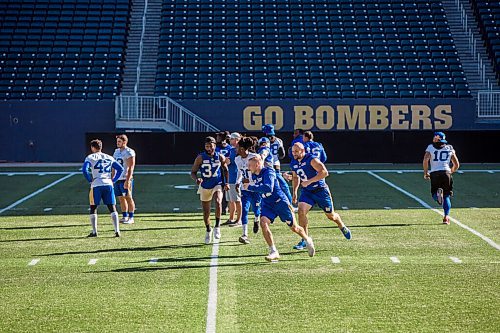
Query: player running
[
  {"x": 97, "y": 170},
  {"x": 310, "y": 173},
  {"x": 209, "y": 163},
  {"x": 233, "y": 195},
  {"x": 274, "y": 204},
  {"x": 439, "y": 154}
]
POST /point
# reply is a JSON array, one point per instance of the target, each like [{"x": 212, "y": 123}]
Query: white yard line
[
  {"x": 395, "y": 260},
  {"x": 153, "y": 260},
  {"x": 456, "y": 260},
  {"x": 424, "y": 204},
  {"x": 212, "y": 289},
  {"x": 20, "y": 201},
  {"x": 33, "y": 262}
]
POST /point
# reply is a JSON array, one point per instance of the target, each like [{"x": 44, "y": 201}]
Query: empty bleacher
[
  {"x": 253, "y": 49},
  {"x": 488, "y": 16},
  {"x": 65, "y": 49}
]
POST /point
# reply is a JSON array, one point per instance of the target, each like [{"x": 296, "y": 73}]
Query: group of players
[{"x": 246, "y": 172}]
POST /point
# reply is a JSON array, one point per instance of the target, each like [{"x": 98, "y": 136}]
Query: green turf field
[{"x": 349, "y": 286}]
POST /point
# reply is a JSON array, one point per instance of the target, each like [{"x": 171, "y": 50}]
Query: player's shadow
[
  {"x": 36, "y": 239},
  {"x": 44, "y": 227},
  {"x": 159, "y": 229}
]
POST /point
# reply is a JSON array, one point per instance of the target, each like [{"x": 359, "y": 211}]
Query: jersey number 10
[{"x": 441, "y": 155}]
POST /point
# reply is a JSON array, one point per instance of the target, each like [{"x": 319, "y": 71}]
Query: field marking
[
  {"x": 426, "y": 205},
  {"x": 456, "y": 260},
  {"x": 48, "y": 209},
  {"x": 33, "y": 262},
  {"x": 336, "y": 260},
  {"x": 153, "y": 261},
  {"x": 162, "y": 173},
  {"x": 93, "y": 261},
  {"x": 395, "y": 260},
  {"x": 20, "y": 201},
  {"x": 212, "y": 289}
]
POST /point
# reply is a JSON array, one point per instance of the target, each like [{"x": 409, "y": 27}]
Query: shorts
[
  {"x": 206, "y": 194},
  {"x": 281, "y": 208},
  {"x": 104, "y": 193},
  {"x": 320, "y": 196},
  {"x": 441, "y": 179},
  {"x": 120, "y": 190},
  {"x": 234, "y": 193}
]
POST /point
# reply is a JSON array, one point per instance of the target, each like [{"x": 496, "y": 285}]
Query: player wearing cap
[{"x": 439, "y": 154}]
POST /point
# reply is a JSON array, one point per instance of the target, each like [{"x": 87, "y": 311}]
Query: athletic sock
[
  {"x": 116, "y": 224},
  {"x": 208, "y": 227},
  {"x": 272, "y": 248},
  {"x": 447, "y": 205},
  {"x": 93, "y": 222},
  {"x": 245, "y": 229},
  {"x": 124, "y": 214},
  {"x": 131, "y": 215},
  {"x": 217, "y": 222}
]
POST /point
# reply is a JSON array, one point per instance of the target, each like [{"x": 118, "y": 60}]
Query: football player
[{"x": 125, "y": 184}]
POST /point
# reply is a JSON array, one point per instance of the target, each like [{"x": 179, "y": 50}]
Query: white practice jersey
[
  {"x": 275, "y": 146},
  {"x": 100, "y": 168},
  {"x": 440, "y": 158},
  {"x": 121, "y": 156},
  {"x": 242, "y": 165}
]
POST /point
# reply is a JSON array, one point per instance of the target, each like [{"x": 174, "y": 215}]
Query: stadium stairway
[
  {"x": 149, "y": 57},
  {"x": 462, "y": 43}
]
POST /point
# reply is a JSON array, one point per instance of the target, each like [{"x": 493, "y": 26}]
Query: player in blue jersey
[
  {"x": 314, "y": 148},
  {"x": 248, "y": 198},
  {"x": 213, "y": 178},
  {"x": 125, "y": 184},
  {"x": 223, "y": 147},
  {"x": 97, "y": 170},
  {"x": 310, "y": 174},
  {"x": 233, "y": 195},
  {"x": 298, "y": 136},
  {"x": 264, "y": 151},
  {"x": 274, "y": 204},
  {"x": 439, "y": 155}
]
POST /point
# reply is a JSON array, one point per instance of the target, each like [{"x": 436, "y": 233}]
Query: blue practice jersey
[
  {"x": 267, "y": 185},
  {"x": 210, "y": 170},
  {"x": 316, "y": 149},
  {"x": 305, "y": 171},
  {"x": 268, "y": 159},
  {"x": 224, "y": 150},
  {"x": 232, "y": 168}
]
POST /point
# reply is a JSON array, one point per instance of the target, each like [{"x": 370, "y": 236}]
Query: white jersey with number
[
  {"x": 121, "y": 156},
  {"x": 275, "y": 146},
  {"x": 440, "y": 158},
  {"x": 100, "y": 168},
  {"x": 242, "y": 165}
]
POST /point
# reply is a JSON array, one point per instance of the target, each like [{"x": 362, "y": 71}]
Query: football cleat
[
  {"x": 217, "y": 232},
  {"x": 244, "y": 240},
  {"x": 228, "y": 222},
  {"x": 117, "y": 234},
  {"x": 273, "y": 256},
  {"x": 439, "y": 195},
  {"x": 256, "y": 227},
  {"x": 310, "y": 247},
  {"x": 235, "y": 224},
  {"x": 208, "y": 237},
  {"x": 446, "y": 220},
  {"x": 123, "y": 219},
  {"x": 92, "y": 234},
  {"x": 300, "y": 245},
  {"x": 346, "y": 232},
  {"x": 129, "y": 221}
]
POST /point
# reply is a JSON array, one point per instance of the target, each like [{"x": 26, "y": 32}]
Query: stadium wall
[
  {"x": 341, "y": 147},
  {"x": 51, "y": 131}
]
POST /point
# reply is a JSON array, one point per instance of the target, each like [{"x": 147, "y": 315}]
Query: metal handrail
[
  {"x": 488, "y": 104},
  {"x": 141, "y": 44}
]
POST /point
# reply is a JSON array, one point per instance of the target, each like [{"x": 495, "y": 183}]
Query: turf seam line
[
  {"x": 426, "y": 205},
  {"x": 212, "y": 289},
  {"x": 29, "y": 196}
]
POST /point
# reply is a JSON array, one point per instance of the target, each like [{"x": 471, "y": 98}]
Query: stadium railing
[
  {"x": 155, "y": 111},
  {"x": 488, "y": 104}
]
